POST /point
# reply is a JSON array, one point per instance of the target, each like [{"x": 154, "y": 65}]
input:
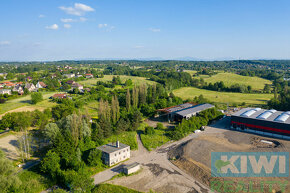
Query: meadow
[
  {"x": 223, "y": 97},
  {"x": 155, "y": 140},
  {"x": 136, "y": 80},
  {"x": 25, "y": 105},
  {"x": 231, "y": 78}
]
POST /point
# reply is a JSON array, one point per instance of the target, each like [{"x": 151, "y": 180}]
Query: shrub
[
  {"x": 95, "y": 157},
  {"x": 149, "y": 131},
  {"x": 36, "y": 97}
]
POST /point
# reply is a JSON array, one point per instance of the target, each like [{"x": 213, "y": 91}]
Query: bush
[
  {"x": 36, "y": 97},
  {"x": 149, "y": 131},
  {"x": 95, "y": 157},
  {"x": 159, "y": 126}
]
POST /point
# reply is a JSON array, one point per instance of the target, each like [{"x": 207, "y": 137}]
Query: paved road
[{"x": 158, "y": 157}]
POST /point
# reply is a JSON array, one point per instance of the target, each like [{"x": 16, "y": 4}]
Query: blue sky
[{"x": 169, "y": 29}]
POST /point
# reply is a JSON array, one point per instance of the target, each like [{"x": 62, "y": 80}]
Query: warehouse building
[{"x": 265, "y": 122}]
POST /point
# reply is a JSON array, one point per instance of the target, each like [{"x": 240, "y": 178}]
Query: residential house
[
  {"x": 89, "y": 76},
  {"x": 40, "y": 85},
  {"x": 69, "y": 75},
  {"x": 113, "y": 153},
  {"x": 77, "y": 86},
  {"x": 18, "y": 89},
  {"x": 30, "y": 87},
  {"x": 9, "y": 84},
  {"x": 70, "y": 82},
  {"x": 5, "y": 91},
  {"x": 59, "y": 96},
  {"x": 53, "y": 76},
  {"x": 79, "y": 76},
  {"x": 29, "y": 78}
]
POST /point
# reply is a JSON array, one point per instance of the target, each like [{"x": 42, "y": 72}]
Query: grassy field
[
  {"x": 128, "y": 138},
  {"x": 25, "y": 102},
  {"x": 136, "y": 80},
  {"x": 191, "y": 72},
  {"x": 231, "y": 78},
  {"x": 151, "y": 142},
  {"x": 223, "y": 97},
  {"x": 109, "y": 188}
]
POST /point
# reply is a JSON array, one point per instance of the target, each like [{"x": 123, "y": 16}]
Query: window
[
  {"x": 119, "y": 153},
  {"x": 115, "y": 154}
]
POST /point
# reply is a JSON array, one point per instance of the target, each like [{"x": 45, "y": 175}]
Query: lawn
[
  {"x": 231, "y": 78},
  {"x": 128, "y": 138},
  {"x": 109, "y": 188},
  {"x": 153, "y": 141},
  {"x": 136, "y": 80},
  {"x": 191, "y": 72},
  {"x": 25, "y": 102},
  {"x": 223, "y": 97}
]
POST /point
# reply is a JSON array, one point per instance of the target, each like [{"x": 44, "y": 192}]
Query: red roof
[
  {"x": 89, "y": 75},
  {"x": 61, "y": 96}
]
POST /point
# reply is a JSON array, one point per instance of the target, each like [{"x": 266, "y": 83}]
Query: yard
[
  {"x": 223, "y": 97},
  {"x": 136, "y": 80},
  {"x": 231, "y": 78}
]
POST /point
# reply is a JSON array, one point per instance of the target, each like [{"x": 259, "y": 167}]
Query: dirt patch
[
  {"x": 23, "y": 109},
  {"x": 194, "y": 156},
  {"x": 8, "y": 144}
]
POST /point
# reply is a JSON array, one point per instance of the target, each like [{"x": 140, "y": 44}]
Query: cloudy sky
[{"x": 169, "y": 29}]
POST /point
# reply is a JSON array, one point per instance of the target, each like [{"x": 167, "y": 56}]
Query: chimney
[{"x": 117, "y": 144}]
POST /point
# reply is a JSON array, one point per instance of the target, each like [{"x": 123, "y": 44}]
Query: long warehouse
[{"x": 267, "y": 122}]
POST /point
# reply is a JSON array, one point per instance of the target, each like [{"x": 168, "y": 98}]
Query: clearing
[
  {"x": 231, "y": 79},
  {"x": 136, "y": 80},
  {"x": 223, "y": 97},
  {"x": 23, "y": 103}
]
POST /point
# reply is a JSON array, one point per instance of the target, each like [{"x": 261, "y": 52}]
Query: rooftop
[
  {"x": 194, "y": 109},
  {"x": 111, "y": 147},
  {"x": 131, "y": 165},
  {"x": 266, "y": 115},
  {"x": 176, "y": 108}
]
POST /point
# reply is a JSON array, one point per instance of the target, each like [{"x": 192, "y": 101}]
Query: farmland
[
  {"x": 223, "y": 97},
  {"x": 136, "y": 80},
  {"x": 231, "y": 78}
]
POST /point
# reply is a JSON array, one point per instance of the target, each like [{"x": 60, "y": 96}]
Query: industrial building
[
  {"x": 184, "y": 111},
  {"x": 266, "y": 122},
  {"x": 114, "y": 153}
]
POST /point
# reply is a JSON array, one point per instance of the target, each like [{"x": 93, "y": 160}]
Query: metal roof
[
  {"x": 263, "y": 114},
  {"x": 111, "y": 147},
  {"x": 131, "y": 165},
  {"x": 194, "y": 109}
]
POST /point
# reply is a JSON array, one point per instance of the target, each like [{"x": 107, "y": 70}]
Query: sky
[{"x": 48, "y": 30}]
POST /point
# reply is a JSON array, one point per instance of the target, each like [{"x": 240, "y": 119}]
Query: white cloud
[
  {"x": 67, "y": 20},
  {"x": 105, "y": 26},
  {"x": 67, "y": 26},
  {"x": 78, "y": 9},
  {"x": 155, "y": 29},
  {"x": 41, "y": 16},
  {"x": 5, "y": 43},
  {"x": 53, "y": 27},
  {"x": 83, "y": 19}
]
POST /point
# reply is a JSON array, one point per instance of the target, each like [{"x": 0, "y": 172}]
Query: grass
[
  {"x": 223, "y": 97},
  {"x": 231, "y": 78},
  {"x": 25, "y": 101},
  {"x": 122, "y": 174},
  {"x": 92, "y": 108},
  {"x": 191, "y": 72},
  {"x": 128, "y": 138},
  {"x": 136, "y": 80},
  {"x": 151, "y": 142},
  {"x": 109, "y": 188},
  {"x": 32, "y": 181}
]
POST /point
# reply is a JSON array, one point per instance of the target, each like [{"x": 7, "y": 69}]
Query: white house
[
  {"x": 5, "y": 91},
  {"x": 18, "y": 89},
  {"x": 89, "y": 76},
  {"x": 40, "y": 85},
  {"x": 30, "y": 87},
  {"x": 114, "y": 153},
  {"x": 77, "y": 86},
  {"x": 69, "y": 75}
]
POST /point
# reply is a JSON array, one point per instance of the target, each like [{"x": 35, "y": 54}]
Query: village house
[
  {"x": 59, "y": 96},
  {"x": 77, "y": 86},
  {"x": 30, "y": 87},
  {"x": 70, "y": 82},
  {"x": 69, "y": 75},
  {"x": 5, "y": 91},
  {"x": 40, "y": 85},
  {"x": 29, "y": 78},
  {"x": 89, "y": 76},
  {"x": 113, "y": 153},
  {"x": 79, "y": 76},
  {"x": 18, "y": 89}
]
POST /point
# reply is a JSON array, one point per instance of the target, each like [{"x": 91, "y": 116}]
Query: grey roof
[
  {"x": 131, "y": 165},
  {"x": 179, "y": 107},
  {"x": 266, "y": 115},
  {"x": 111, "y": 147},
  {"x": 194, "y": 109}
]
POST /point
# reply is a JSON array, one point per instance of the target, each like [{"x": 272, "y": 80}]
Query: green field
[
  {"x": 25, "y": 102},
  {"x": 191, "y": 72},
  {"x": 231, "y": 78},
  {"x": 223, "y": 97},
  {"x": 151, "y": 142},
  {"x": 110, "y": 188},
  {"x": 136, "y": 80}
]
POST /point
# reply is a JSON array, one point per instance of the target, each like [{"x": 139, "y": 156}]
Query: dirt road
[{"x": 158, "y": 173}]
